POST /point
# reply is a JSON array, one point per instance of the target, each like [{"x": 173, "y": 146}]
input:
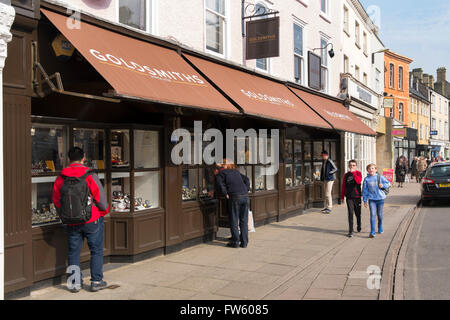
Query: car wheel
[{"x": 426, "y": 203}]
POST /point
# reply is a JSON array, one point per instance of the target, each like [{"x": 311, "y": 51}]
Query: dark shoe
[
  {"x": 327, "y": 211},
  {"x": 372, "y": 236},
  {"x": 75, "y": 289},
  {"x": 232, "y": 245},
  {"x": 359, "y": 229},
  {"x": 350, "y": 235},
  {"x": 98, "y": 285},
  {"x": 243, "y": 246}
]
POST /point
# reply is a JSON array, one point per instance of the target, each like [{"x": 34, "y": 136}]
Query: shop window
[
  {"x": 318, "y": 148},
  {"x": 293, "y": 171},
  {"x": 308, "y": 173},
  {"x": 48, "y": 143},
  {"x": 92, "y": 141},
  {"x": 43, "y": 209},
  {"x": 260, "y": 181},
  {"x": 247, "y": 171},
  {"x": 48, "y": 158},
  {"x": 317, "y": 169},
  {"x": 145, "y": 144},
  {"x": 121, "y": 192},
  {"x": 189, "y": 184},
  {"x": 120, "y": 149}
]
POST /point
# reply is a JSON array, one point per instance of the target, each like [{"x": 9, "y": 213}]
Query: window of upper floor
[
  {"x": 299, "y": 58},
  {"x": 216, "y": 27},
  {"x": 365, "y": 43},
  {"x": 346, "y": 21},
  {"x": 400, "y": 78},
  {"x": 391, "y": 75},
  {"x": 137, "y": 14},
  {"x": 324, "y": 7},
  {"x": 357, "y": 35}
]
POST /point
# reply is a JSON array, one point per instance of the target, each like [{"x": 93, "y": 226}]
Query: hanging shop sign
[
  {"x": 314, "y": 74},
  {"x": 263, "y": 38},
  {"x": 388, "y": 103}
]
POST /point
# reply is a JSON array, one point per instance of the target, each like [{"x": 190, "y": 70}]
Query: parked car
[{"x": 436, "y": 183}]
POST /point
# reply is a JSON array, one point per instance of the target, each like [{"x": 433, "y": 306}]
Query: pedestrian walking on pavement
[
  {"x": 401, "y": 169},
  {"x": 81, "y": 203},
  {"x": 351, "y": 190},
  {"x": 328, "y": 176},
  {"x": 421, "y": 168},
  {"x": 414, "y": 169},
  {"x": 374, "y": 191},
  {"x": 235, "y": 187}
]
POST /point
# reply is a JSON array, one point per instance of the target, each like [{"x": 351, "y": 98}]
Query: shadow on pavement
[{"x": 312, "y": 229}]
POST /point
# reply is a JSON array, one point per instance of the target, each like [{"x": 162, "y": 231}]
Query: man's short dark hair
[
  {"x": 325, "y": 152},
  {"x": 75, "y": 154}
]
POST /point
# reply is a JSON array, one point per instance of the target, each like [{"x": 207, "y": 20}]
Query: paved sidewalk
[{"x": 305, "y": 257}]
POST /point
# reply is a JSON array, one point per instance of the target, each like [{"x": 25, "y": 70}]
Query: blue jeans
[
  {"x": 238, "y": 211},
  {"x": 376, "y": 210},
  {"x": 94, "y": 232}
]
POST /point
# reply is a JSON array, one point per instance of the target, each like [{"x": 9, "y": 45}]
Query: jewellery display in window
[
  {"x": 41, "y": 167},
  {"x": 46, "y": 213},
  {"x": 189, "y": 193}
]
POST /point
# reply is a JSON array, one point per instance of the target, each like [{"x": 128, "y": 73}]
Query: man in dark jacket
[
  {"x": 235, "y": 186},
  {"x": 327, "y": 176},
  {"x": 351, "y": 189},
  {"x": 93, "y": 229}
]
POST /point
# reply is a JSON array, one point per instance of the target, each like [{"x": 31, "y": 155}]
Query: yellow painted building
[{"x": 419, "y": 116}]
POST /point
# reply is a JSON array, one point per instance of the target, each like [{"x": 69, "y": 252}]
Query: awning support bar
[{"x": 59, "y": 88}]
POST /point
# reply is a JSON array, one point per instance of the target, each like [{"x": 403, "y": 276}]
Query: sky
[{"x": 417, "y": 29}]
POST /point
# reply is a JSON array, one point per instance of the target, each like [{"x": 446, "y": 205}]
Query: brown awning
[
  {"x": 138, "y": 69},
  {"x": 259, "y": 96},
  {"x": 335, "y": 113}
]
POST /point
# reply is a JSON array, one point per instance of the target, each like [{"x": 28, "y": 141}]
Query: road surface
[{"x": 427, "y": 268}]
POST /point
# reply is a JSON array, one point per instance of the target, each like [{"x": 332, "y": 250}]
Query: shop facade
[
  {"x": 364, "y": 103},
  {"x": 405, "y": 143},
  {"x": 122, "y": 111}
]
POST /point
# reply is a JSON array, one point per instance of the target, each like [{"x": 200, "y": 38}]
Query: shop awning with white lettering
[
  {"x": 259, "y": 96},
  {"x": 334, "y": 113},
  {"x": 138, "y": 69}
]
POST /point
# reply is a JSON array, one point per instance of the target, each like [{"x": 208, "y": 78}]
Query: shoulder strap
[
  {"x": 87, "y": 174},
  {"x": 378, "y": 179}
]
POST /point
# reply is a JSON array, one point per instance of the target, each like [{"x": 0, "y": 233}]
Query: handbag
[{"x": 385, "y": 190}]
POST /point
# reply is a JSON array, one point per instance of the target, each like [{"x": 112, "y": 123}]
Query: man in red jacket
[
  {"x": 93, "y": 229},
  {"x": 351, "y": 189}
]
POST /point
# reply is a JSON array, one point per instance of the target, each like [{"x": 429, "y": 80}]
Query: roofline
[{"x": 399, "y": 56}]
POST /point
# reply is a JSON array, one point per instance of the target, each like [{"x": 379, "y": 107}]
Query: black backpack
[{"x": 76, "y": 204}]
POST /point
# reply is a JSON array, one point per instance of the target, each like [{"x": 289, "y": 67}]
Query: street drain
[{"x": 113, "y": 286}]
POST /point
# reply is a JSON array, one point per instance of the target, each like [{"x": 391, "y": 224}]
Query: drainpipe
[{"x": 7, "y": 14}]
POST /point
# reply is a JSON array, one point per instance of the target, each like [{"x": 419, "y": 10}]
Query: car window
[{"x": 441, "y": 171}]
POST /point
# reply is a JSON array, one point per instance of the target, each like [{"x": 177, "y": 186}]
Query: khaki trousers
[{"x": 328, "y": 196}]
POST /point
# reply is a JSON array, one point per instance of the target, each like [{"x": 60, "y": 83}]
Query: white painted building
[
  {"x": 362, "y": 76},
  {"x": 439, "y": 122},
  {"x": 215, "y": 27}
]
